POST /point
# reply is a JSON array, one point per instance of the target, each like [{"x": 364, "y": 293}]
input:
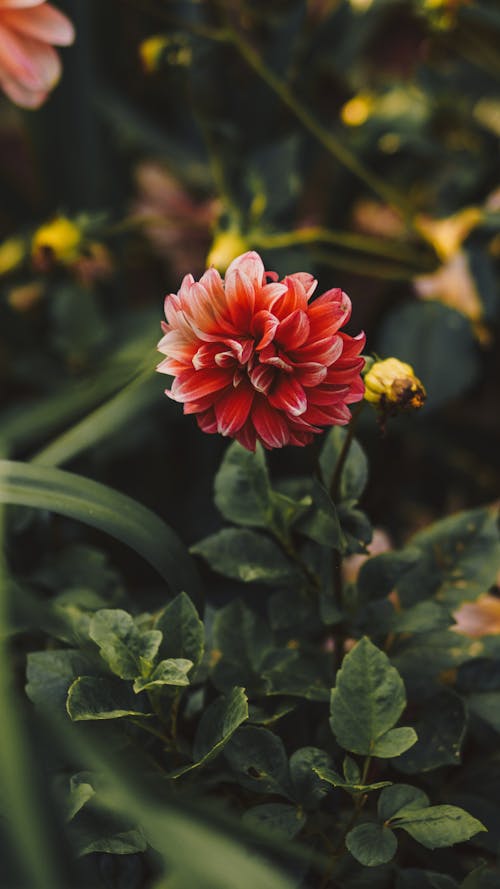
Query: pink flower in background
[
  {"x": 255, "y": 360},
  {"x": 479, "y": 618},
  {"x": 29, "y": 64},
  {"x": 178, "y": 226}
]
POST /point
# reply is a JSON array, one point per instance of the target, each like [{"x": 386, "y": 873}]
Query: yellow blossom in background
[
  {"x": 12, "y": 253},
  {"x": 479, "y": 618},
  {"x": 59, "y": 240},
  {"x": 447, "y": 235},
  {"x": 357, "y": 110},
  {"x": 173, "y": 49},
  {"x": 151, "y": 51},
  {"x": 392, "y": 386},
  {"x": 226, "y": 246}
]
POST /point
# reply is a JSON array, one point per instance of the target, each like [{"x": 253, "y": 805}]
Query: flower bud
[
  {"x": 56, "y": 241},
  {"x": 391, "y": 386}
]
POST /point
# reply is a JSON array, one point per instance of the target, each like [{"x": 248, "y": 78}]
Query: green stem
[
  {"x": 333, "y": 145},
  {"x": 344, "y": 453},
  {"x": 351, "y": 240},
  {"x": 358, "y": 807}
]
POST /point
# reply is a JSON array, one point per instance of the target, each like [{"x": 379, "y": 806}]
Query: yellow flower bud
[
  {"x": 226, "y": 246},
  {"x": 392, "y": 386},
  {"x": 357, "y": 110},
  {"x": 151, "y": 51},
  {"x": 12, "y": 254},
  {"x": 58, "y": 240}
]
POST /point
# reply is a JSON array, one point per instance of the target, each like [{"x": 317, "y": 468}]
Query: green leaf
[
  {"x": 486, "y": 705},
  {"x": 352, "y": 772},
  {"x": 321, "y": 522},
  {"x": 400, "y": 797},
  {"x": 459, "y": 559},
  {"x": 65, "y": 493},
  {"x": 127, "y": 842},
  {"x": 242, "y": 489},
  {"x": 247, "y": 556},
  {"x": 438, "y": 826},
  {"x": 308, "y": 788},
  {"x": 243, "y": 639},
  {"x": 259, "y": 759},
  {"x": 423, "y": 617},
  {"x": 371, "y": 844},
  {"x": 50, "y": 674},
  {"x": 355, "y": 471},
  {"x": 94, "y": 697},
  {"x": 367, "y": 701},
  {"x": 299, "y": 674},
  {"x": 172, "y": 671},
  {"x": 127, "y": 651},
  {"x": 441, "y": 731},
  {"x": 379, "y": 575},
  {"x": 182, "y": 629},
  {"x": 279, "y": 818},
  {"x": 216, "y": 727},
  {"x": 336, "y": 780},
  {"x": 80, "y": 792}
]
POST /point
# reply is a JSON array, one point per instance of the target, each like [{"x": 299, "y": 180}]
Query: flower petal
[
  {"x": 251, "y": 265},
  {"x": 42, "y": 23},
  {"x": 271, "y": 426},
  {"x": 193, "y": 384},
  {"x": 288, "y": 396},
  {"x": 233, "y": 408}
]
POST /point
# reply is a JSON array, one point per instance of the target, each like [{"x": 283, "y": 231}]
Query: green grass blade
[{"x": 68, "y": 494}]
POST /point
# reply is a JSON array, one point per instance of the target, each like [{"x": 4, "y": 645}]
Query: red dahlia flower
[{"x": 255, "y": 360}]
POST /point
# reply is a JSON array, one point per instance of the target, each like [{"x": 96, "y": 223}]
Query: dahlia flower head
[
  {"x": 254, "y": 359},
  {"x": 29, "y": 65}
]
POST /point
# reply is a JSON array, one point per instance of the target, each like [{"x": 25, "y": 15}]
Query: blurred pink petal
[{"x": 29, "y": 65}]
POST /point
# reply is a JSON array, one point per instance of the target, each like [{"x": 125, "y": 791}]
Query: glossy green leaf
[
  {"x": 371, "y": 844},
  {"x": 172, "y": 671},
  {"x": 247, "y": 556},
  {"x": 436, "y": 827},
  {"x": 308, "y": 788},
  {"x": 182, "y": 629},
  {"x": 258, "y": 758},
  {"x": 242, "y": 488},
  {"x": 336, "y": 780},
  {"x": 216, "y": 727},
  {"x": 94, "y": 697},
  {"x": 127, "y": 651},
  {"x": 39, "y": 487},
  {"x": 367, "y": 701},
  {"x": 355, "y": 471},
  {"x": 279, "y": 818}
]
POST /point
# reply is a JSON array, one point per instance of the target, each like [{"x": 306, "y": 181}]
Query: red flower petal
[
  {"x": 271, "y": 426},
  {"x": 233, "y": 408},
  {"x": 289, "y": 396}
]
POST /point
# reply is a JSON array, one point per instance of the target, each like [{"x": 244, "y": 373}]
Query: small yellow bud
[
  {"x": 357, "y": 110},
  {"x": 58, "y": 240},
  {"x": 226, "y": 246},
  {"x": 392, "y": 386},
  {"x": 151, "y": 51},
  {"x": 12, "y": 254}
]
